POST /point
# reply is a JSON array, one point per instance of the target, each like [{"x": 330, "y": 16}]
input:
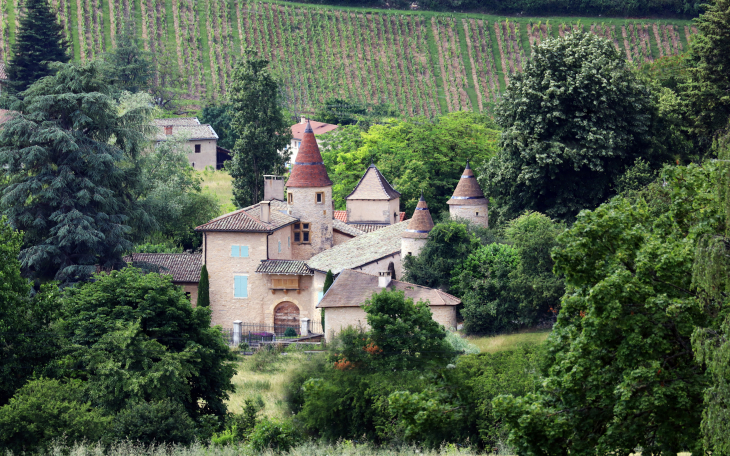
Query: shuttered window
[
  {"x": 279, "y": 246},
  {"x": 239, "y": 251},
  {"x": 240, "y": 286},
  {"x": 285, "y": 283}
]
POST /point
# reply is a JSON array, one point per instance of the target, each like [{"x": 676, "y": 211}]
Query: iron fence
[{"x": 257, "y": 332}]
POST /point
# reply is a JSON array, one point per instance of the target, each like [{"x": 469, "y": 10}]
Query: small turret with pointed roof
[
  {"x": 309, "y": 169},
  {"x": 468, "y": 201},
  {"x": 416, "y": 234},
  {"x": 374, "y": 200}
]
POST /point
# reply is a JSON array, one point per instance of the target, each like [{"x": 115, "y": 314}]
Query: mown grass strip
[
  {"x": 433, "y": 54},
  {"x": 74, "y": 26},
  {"x": 170, "y": 24},
  {"x": 107, "y": 24},
  {"x": 497, "y": 56},
  {"x": 471, "y": 86},
  {"x": 201, "y": 8}
]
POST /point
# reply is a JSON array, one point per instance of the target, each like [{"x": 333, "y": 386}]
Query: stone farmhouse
[
  {"x": 297, "y": 133},
  {"x": 203, "y": 141},
  {"x": 267, "y": 263}
]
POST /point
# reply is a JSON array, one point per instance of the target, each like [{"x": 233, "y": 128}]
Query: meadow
[{"x": 421, "y": 63}]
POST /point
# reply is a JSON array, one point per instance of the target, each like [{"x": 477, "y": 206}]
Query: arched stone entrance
[{"x": 286, "y": 315}]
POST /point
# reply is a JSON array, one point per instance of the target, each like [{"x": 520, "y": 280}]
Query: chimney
[
  {"x": 273, "y": 188},
  {"x": 168, "y": 129},
  {"x": 304, "y": 120},
  {"x": 265, "y": 212},
  {"x": 384, "y": 279}
]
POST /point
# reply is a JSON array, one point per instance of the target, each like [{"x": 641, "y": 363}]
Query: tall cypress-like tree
[
  {"x": 68, "y": 186},
  {"x": 328, "y": 281},
  {"x": 39, "y": 41},
  {"x": 261, "y": 126},
  {"x": 203, "y": 288}
]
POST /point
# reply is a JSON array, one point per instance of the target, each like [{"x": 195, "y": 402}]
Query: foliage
[
  {"x": 38, "y": 42},
  {"x": 163, "y": 421},
  {"x": 167, "y": 88},
  {"x": 290, "y": 332},
  {"x": 708, "y": 89},
  {"x": 337, "y": 111},
  {"x": 276, "y": 435},
  {"x": 165, "y": 247},
  {"x": 329, "y": 279},
  {"x": 203, "y": 288},
  {"x": 483, "y": 283},
  {"x": 68, "y": 188},
  {"x": 620, "y": 372},
  {"x": 636, "y": 178},
  {"x": 460, "y": 344},
  {"x": 44, "y": 410},
  {"x": 129, "y": 65},
  {"x": 573, "y": 121},
  {"x": 135, "y": 337},
  {"x": 219, "y": 117},
  {"x": 261, "y": 127},
  {"x": 414, "y": 155}
]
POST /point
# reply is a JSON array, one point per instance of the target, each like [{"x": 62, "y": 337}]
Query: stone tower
[
  {"x": 468, "y": 201},
  {"x": 374, "y": 200},
  {"x": 415, "y": 236},
  {"x": 309, "y": 198}
]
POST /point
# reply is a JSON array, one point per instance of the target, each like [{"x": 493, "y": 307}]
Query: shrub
[
  {"x": 461, "y": 345},
  {"x": 154, "y": 422},
  {"x": 290, "y": 332},
  {"x": 277, "y": 435},
  {"x": 293, "y": 392}
]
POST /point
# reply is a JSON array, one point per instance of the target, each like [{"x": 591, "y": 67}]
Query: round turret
[{"x": 468, "y": 201}]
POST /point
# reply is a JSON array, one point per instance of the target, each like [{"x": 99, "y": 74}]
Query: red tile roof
[
  {"x": 318, "y": 128},
  {"x": 468, "y": 192},
  {"x": 402, "y": 216},
  {"x": 340, "y": 215},
  {"x": 183, "y": 267},
  {"x": 308, "y": 170},
  {"x": 3, "y": 75},
  {"x": 249, "y": 220},
  {"x": 421, "y": 222}
]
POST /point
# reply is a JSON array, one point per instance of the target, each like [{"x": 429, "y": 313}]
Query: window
[
  {"x": 239, "y": 251},
  {"x": 240, "y": 286},
  {"x": 477, "y": 214},
  {"x": 320, "y": 295},
  {"x": 279, "y": 246},
  {"x": 301, "y": 233},
  {"x": 288, "y": 242},
  {"x": 320, "y": 198},
  {"x": 285, "y": 283},
  {"x": 197, "y": 148},
  {"x": 299, "y": 144},
  {"x": 290, "y": 198}
]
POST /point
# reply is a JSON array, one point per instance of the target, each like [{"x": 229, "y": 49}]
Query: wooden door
[{"x": 286, "y": 314}]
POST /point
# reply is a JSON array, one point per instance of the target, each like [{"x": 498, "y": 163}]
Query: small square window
[
  {"x": 320, "y": 198},
  {"x": 290, "y": 198},
  {"x": 197, "y": 148}
]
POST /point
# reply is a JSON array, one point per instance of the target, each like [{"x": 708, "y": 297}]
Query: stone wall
[
  {"x": 475, "y": 214},
  {"x": 412, "y": 246},
  {"x": 191, "y": 288},
  {"x": 446, "y": 315},
  {"x": 207, "y": 155},
  {"x": 373, "y": 211},
  {"x": 340, "y": 238},
  {"x": 284, "y": 236},
  {"x": 378, "y": 266},
  {"x": 318, "y": 215},
  {"x": 338, "y": 318}
]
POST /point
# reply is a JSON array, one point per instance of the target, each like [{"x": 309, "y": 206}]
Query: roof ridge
[{"x": 380, "y": 177}]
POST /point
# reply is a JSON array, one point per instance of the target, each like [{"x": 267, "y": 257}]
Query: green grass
[
  {"x": 74, "y": 27},
  {"x": 436, "y": 65},
  {"x": 220, "y": 184},
  {"x": 493, "y": 344}
]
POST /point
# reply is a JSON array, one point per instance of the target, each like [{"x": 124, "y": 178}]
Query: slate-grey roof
[
  {"x": 353, "y": 288},
  {"x": 361, "y": 250},
  {"x": 373, "y": 186},
  {"x": 284, "y": 267},
  {"x": 368, "y": 227},
  {"x": 183, "y": 267},
  {"x": 347, "y": 229},
  {"x": 190, "y": 125},
  {"x": 248, "y": 220}
]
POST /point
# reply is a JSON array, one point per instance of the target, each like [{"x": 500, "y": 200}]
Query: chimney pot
[
  {"x": 304, "y": 120},
  {"x": 265, "y": 212},
  {"x": 168, "y": 129},
  {"x": 384, "y": 279}
]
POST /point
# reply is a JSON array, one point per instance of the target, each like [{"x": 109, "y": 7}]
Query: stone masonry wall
[
  {"x": 320, "y": 216},
  {"x": 338, "y": 318},
  {"x": 475, "y": 214},
  {"x": 411, "y": 245},
  {"x": 207, "y": 155},
  {"x": 284, "y": 236}
]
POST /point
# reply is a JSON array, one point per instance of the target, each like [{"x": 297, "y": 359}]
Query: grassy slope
[
  {"x": 435, "y": 64},
  {"x": 494, "y": 344},
  {"x": 220, "y": 184},
  {"x": 73, "y": 22},
  {"x": 471, "y": 86}
]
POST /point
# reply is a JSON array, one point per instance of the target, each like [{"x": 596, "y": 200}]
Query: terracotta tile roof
[
  {"x": 249, "y": 220},
  {"x": 361, "y": 250},
  {"x": 347, "y": 229},
  {"x": 373, "y": 186},
  {"x": 353, "y": 288},
  {"x": 308, "y": 170},
  {"x": 468, "y": 192},
  {"x": 341, "y": 216},
  {"x": 183, "y": 267},
  {"x": 284, "y": 267},
  {"x": 190, "y": 125},
  {"x": 402, "y": 216},
  {"x": 421, "y": 223},
  {"x": 318, "y": 128},
  {"x": 3, "y": 74}
]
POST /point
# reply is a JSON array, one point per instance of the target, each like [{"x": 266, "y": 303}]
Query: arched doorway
[{"x": 286, "y": 315}]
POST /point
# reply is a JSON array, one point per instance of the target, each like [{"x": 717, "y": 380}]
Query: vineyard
[{"x": 420, "y": 63}]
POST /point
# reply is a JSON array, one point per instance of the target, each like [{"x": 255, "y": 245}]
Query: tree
[
  {"x": 158, "y": 422},
  {"x": 38, "y": 42},
  {"x": 708, "y": 88},
  {"x": 573, "y": 121},
  {"x": 129, "y": 64},
  {"x": 340, "y": 111},
  {"x": 219, "y": 117},
  {"x": 261, "y": 127},
  {"x": 68, "y": 189},
  {"x": 45, "y": 410},
  {"x": 329, "y": 279},
  {"x": 168, "y": 85},
  {"x": 620, "y": 370},
  {"x": 203, "y": 288},
  {"x": 135, "y": 337}
]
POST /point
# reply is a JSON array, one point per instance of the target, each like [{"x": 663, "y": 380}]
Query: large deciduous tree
[
  {"x": 621, "y": 370},
  {"x": 68, "y": 188},
  {"x": 573, "y": 121},
  {"x": 39, "y": 42},
  {"x": 129, "y": 64},
  {"x": 262, "y": 129}
]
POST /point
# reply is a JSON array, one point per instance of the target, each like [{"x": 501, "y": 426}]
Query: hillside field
[{"x": 421, "y": 63}]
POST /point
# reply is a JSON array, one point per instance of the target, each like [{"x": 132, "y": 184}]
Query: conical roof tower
[
  {"x": 309, "y": 169},
  {"x": 421, "y": 223},
  {"x": 468, "y": 201}
]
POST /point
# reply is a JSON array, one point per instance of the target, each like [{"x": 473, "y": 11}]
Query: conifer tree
[
  {"x": 261, "y": 127},
  {"x": 203, "y": 288},
  {"x": 39, "y": 40},
  {"x": 68, "y": 187},
  {"x": 328, "y": 280}
]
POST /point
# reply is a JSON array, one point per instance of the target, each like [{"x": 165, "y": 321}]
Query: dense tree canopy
[
  {"x": 261, "y": 128},
  {"x": 38, "y": 42},
  {"x": 573, "y": 120},
  {"x": 129, "y": 64}
]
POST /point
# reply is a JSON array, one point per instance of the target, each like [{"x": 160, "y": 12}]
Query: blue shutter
[
  {"x": 240, "y": 287},
  {"x": 234, "y": 251},
  {"x": 244, "y": 251},
  {"x": 279, "y": 246}
]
